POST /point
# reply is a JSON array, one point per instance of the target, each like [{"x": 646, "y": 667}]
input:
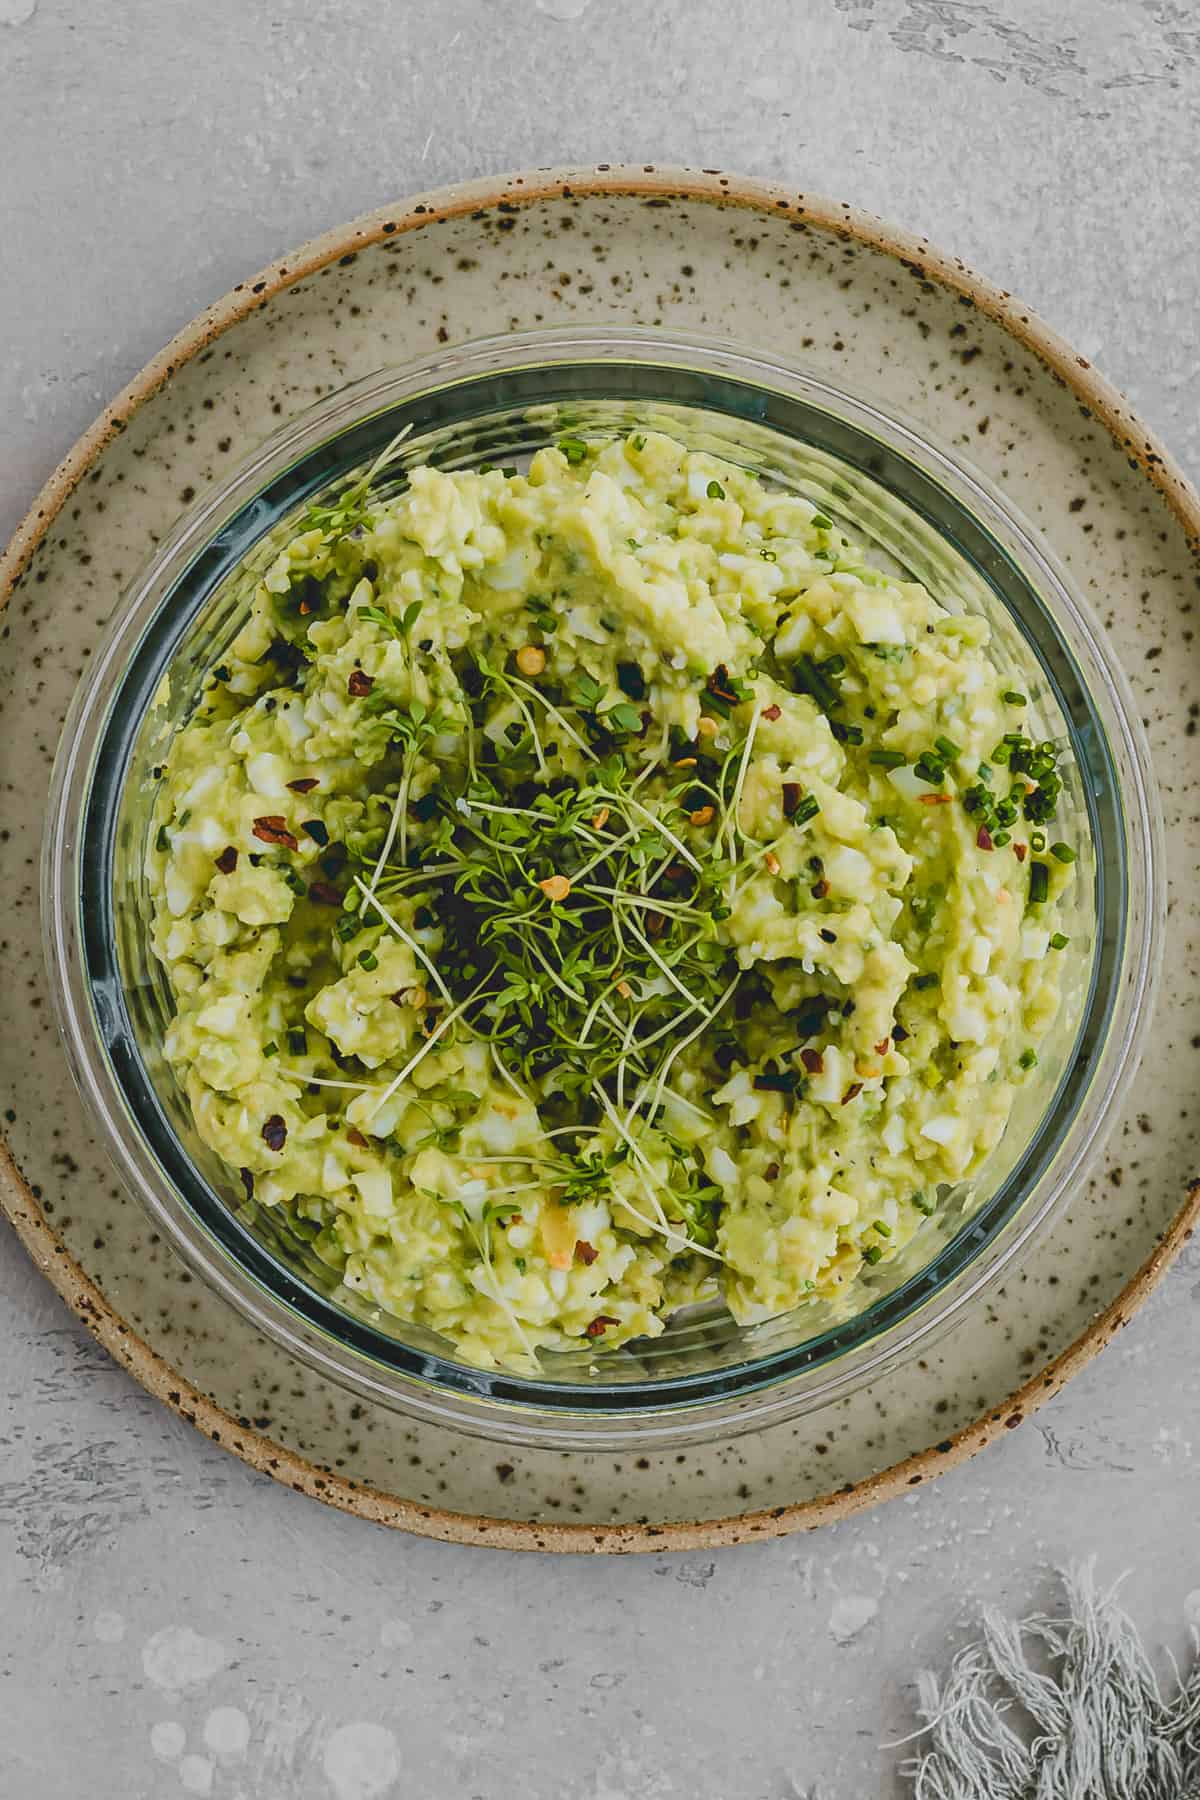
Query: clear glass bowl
[{"x": 499, "y": 400}]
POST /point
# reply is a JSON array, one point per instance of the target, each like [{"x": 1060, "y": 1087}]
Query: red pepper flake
[
  {"x": 356, "y": 1137},
  {"x": 247, "y": 1182},
  {"x": 935, "y": 799},
  {"x": 1020, "y": 851},
  {"x": 819, "y": 889},
  {"x": 852, "y": 1092},
  {"x": 599, "y": 1325},
  {"x": 274, "y": 1132},
  {"x": 792, "y": 795},
  {"x": 654, "y": 923},
  {"x": 984, "y": 839},
  {"x": 304, "y": 785},
  {"x": 325, "y": 894},
  {"x": 305, "y": 607},
  {"x": 718, "y": 685},
  {"x": 585, "y": 1252},
  {"x": 227, "y": 861},
  {"x": 772, "y": 712},
  {"x": 882, "y": 1048},
  {"x": 273, "y": 830},
  {"x": 813, "y": 1061},
  {"x": 359, "y": 684},
  {"x": 771, "y": 1172}
]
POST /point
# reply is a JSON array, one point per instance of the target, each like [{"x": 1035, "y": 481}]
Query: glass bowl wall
[{"x": 925, "y": 514}]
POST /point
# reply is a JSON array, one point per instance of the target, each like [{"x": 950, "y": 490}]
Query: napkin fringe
[{"x": 1058, "y": 1708}]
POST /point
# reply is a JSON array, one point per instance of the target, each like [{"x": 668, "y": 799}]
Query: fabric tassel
[{"x": 1058, "y": 1708}]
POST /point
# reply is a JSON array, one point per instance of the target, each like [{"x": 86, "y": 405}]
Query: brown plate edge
[{"x": 51, "y": 1256}]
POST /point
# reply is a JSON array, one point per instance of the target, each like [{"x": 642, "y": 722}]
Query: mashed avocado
[{"x": 589, "y": 890}]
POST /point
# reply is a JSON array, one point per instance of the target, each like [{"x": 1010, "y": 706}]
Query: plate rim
[{"x": 514, "y": 191}]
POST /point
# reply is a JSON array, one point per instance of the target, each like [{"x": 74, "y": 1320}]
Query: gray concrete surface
[{"x": 171, "y": 1624}]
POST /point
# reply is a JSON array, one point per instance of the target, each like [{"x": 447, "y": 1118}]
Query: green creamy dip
[{"x": 589, "y": 891}]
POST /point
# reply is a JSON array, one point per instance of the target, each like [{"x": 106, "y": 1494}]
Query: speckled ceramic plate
[{"x": 774, "y": 268}]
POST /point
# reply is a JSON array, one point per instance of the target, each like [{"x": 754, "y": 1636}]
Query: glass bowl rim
[{"x": 468, "y": 1394}]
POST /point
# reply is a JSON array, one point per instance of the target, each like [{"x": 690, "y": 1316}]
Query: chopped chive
[
  {"x": 715, "y": 491},
  {"x": 574, "y": 449},
  {"x": 923, "y": 1203},
  {"x": 882, "y": 1227},
  {"x": 872, "y": 1253},
  {"x": 1042, "y": 804},
  {"x": 771, "y": 1083},
  {"x": 367, "y": 960},
  {"x": 271, "y": 1049},
  {"x": 1027, "y": 1059},
  {"x": 1059, "y": 941},
  {"x": 807, "y": 809},
  {"x": 297, "y": 1043},
  {"x": 1037, "y": 841},
  {"x": 1063, "y": 852},
  {"x": 887, "y": 759},
  {"x": 1012, "y": 698},
  {"x": 1039, "y": 883},
  {"x": 821, "y": 522},
  {"x": 947, "y": 749},
  {"x": 809, "y": 679}
]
